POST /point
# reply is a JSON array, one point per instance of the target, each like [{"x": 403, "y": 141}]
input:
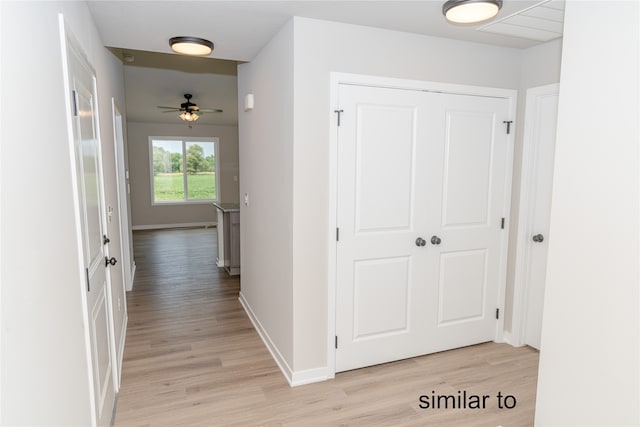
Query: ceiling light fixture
[
  {"x": 470, "y": 11},
  {"x": 191, "y": 45},
  {"x": 189, "y": 116}
]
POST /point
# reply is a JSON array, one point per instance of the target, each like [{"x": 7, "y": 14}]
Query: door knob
[
  {"x": 420, "y": 241},
  {"x": 435, "y": 240},
  {"x": 108, "y": 261},
  {"x": 538, "y": 238}
]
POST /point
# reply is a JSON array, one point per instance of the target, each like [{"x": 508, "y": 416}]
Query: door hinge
[
  {"x": 75, "y": 103},
  {"x": 336, "y": 341},
  {"x": 337, "y": 234},
  {"x": 88, "y": 281},
  {"x": 508, "y": 122},
  {"x": 502, "y": 224},
  {"x": 497, "y": 313},
  {"x": 339, "y": 112}
]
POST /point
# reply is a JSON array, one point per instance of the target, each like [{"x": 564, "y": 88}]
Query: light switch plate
[{"x": 248, "y": 102}]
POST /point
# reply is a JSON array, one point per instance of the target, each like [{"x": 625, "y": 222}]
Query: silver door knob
[
  {"x": 435, "y": 240},
  {"x": 420, "y": 241},
  {"x": 538, "y": 238}
]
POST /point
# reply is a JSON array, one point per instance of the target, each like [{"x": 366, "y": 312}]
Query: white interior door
[
  {"x": 421, "y": 187},
  {"x": 91, "y": 214},
  {"x": 540, "y": 137},
  {"x": 380, "y": 286},
  {"x": 465, "y": 211},
  {"x": 123, "y": 199}
]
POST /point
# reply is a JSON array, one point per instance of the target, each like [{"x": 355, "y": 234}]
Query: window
[{"x": 184, "y": 170}]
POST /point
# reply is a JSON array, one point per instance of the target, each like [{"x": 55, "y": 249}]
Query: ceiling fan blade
[
  {"x": 171, "y": 111},
  {"x": 209, "y": 110},
  {"x": 171, "y": 108}
]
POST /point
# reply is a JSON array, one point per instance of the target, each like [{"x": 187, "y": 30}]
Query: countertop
[{"x": 227, "y": 207}]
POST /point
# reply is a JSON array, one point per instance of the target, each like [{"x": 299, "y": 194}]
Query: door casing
[{"x": 336, "y": 79}]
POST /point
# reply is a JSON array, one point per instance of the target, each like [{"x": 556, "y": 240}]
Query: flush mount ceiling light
[
  {"x": 470, "y": 11},
  {"x": 191, "y": 45}
]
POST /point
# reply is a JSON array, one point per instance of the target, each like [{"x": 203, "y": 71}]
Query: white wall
[
  {"x": 44, "y": 375},
  {"x": 266, "y": 158},
  {"x": 321, "y": 47},
  {"x": 142, "y": 211},
  {"x": 589, "y": 363},
  {"x": 540, "y": 66}
]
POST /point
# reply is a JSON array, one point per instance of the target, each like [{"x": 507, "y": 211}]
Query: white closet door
[
  {"x": 380, "y": 287},
  {"x": 465, "y": 219},
  {"x": 421, "y": 182}
]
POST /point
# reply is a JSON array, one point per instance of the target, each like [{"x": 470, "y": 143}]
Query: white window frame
[{"x": 185, "y": 140}]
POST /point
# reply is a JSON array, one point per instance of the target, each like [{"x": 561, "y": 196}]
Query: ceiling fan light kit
[
  {"x": 470, "y": 11},
  {"x": 188, "y": 45},
  {"x": 189, "y": 117}
]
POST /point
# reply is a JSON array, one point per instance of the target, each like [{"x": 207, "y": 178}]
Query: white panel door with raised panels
[
  {"x": 466, "y": 218},
  {"x": 91, "y": 209},
  {"x": 378, "y": 309},
  {"x": 420, "y": 190}
]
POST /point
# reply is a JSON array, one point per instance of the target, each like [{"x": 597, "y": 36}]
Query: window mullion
[{"x": 184, "y": 170}]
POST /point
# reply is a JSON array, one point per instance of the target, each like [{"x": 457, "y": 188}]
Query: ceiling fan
[{"x": 190, "y": 112}]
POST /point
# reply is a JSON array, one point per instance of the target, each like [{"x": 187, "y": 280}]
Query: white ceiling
[
  {"x": 542, "y": 22},
  {"x": 239, "y": 29}
]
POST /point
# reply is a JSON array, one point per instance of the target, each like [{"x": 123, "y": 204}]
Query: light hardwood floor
[{"x": 192, "y": 358}]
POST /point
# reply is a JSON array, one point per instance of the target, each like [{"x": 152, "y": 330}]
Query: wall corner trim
[{"x": 293, "y": 378}]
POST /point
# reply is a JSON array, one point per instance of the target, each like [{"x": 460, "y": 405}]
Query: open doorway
[{"x": 154, "y": 80}]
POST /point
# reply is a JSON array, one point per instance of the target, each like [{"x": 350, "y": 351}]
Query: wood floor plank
[{"x": 192, "y": 358}]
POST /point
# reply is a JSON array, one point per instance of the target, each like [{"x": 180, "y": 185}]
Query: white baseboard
[
  {"x": 180, "y": 225},
  {"x": 133, "y": 272},
  {"x": 275, "y": 353},
  {"x": 293, "y": 378},
  {"x": 133, "y": 276},
  {"x": 309, "y": 376},
  {"x": 509, "y": 339},
  {"x": 123, "y": 339}
]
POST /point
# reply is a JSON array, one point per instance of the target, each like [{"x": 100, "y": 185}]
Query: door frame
[
  {"x": 337, "y": 79},
  {"x": 528, "y": 181}
]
